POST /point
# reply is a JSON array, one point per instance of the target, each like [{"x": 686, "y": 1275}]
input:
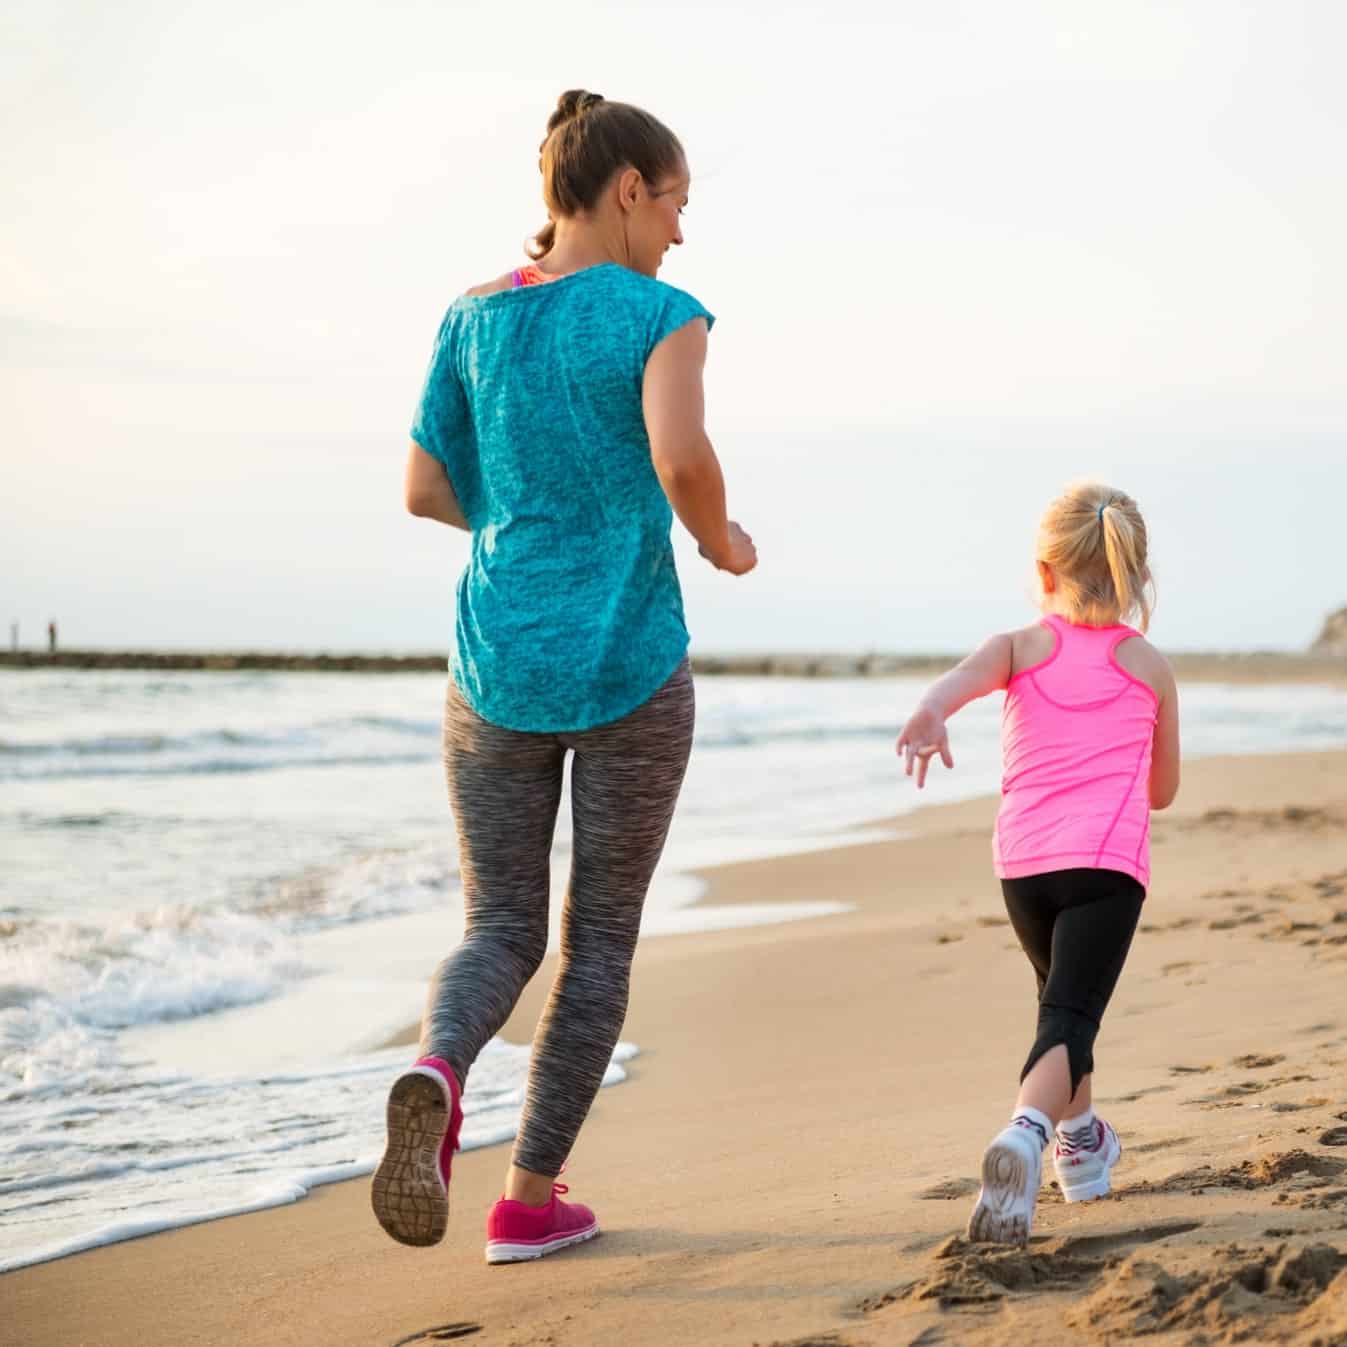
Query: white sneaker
[
  {"x": 1084, "y": 1172},
  {"x": 1012, "y": 1169}
]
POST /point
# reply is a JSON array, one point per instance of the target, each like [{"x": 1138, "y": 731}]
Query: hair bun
[{"x": 570, "y": 106}]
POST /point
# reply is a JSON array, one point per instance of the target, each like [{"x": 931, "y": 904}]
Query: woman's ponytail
[{"x": 589, "y": 139}]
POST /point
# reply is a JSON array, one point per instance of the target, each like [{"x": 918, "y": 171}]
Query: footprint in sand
[
  {"x": 975, "y": 1276},
  {"x": 1289, "y": 930},
  {"x": 1270, "y": 1171},
  {"x": 1190, "y": 1070},
  {"x": 950, "y": 1190},
  {"x": 1232, "y": 1094},
  {"x": 440, "y": 1333},
  {"x": 1229, "y": 923},
  {"x": 1153, "y": 1089},
  {"x": 1122, "y": 1283},
  {"x": 1183, "y": 966},
  {"x": 1126, "y": 1239},
  {"x": 1241, "y": 1294},
  {"x": 1271, "y": 820},
  {"x": 1255, "y": 1061},
  {"x": 1217, "y": 895},
  {"x": 1150, "y": 1147},
  {"x": 1335, "y": 1136}
]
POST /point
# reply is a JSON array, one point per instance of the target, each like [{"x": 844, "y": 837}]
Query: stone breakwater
[
  {"x": 1333, "y": 638},
  {"x": 799, "y": 666},
  {"x": 1223, "y": 667}
]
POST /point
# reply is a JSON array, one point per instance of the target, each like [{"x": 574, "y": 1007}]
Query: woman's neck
[{"x": 580, "y": 244}]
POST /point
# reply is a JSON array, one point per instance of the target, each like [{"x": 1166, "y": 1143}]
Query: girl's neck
[{"x": 1076, "y": 620}]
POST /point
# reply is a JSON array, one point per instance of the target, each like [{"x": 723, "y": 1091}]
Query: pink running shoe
[
  {"x": 516, "y": 1232},
  {"x": 1084, "y": 1172},
  {"x": 411, "y": 1186}
]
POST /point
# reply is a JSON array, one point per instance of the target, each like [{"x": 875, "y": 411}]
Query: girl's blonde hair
[{"x": 1094, "y": 538}]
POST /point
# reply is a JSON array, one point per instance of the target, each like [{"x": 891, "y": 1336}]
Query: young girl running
[{"x": 1090, "y": 745}]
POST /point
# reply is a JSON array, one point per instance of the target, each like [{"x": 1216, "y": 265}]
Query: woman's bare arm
[
  {"x": 430, "y": 494},
  {"x": 684, "y": 460}
]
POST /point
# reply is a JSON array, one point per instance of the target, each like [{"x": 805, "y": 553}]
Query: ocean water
[{"x": 220, "y": 894}]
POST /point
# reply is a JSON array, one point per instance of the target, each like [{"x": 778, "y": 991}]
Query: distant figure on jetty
[
  {"x": 1090, "y": 741},
  {"x": 562, "y": 425},
  {"x": 51, "y": 636}
]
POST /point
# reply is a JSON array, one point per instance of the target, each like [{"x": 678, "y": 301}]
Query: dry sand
[{"x": 792, "y": 1161}]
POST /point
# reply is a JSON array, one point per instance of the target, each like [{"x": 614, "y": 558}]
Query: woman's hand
[
  {"x": 739, "y": 556},
  {"x": 922, "y": 738}
]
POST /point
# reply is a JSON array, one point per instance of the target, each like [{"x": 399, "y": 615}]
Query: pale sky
[{"x": 960, "y": 254}]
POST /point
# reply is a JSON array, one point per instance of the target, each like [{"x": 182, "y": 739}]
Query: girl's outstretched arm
[{"x": 985, "y": 670}]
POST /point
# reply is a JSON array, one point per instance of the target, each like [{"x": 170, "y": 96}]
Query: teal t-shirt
[{"x": 570, "y": 613}]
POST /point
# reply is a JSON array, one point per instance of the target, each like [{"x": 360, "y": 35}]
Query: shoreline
[
  {"x": 1255, "y": 666},
  {"x": 812, "y": 1149}
]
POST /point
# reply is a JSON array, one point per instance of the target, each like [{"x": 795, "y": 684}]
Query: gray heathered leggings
[{"x": 504, "y": 789}]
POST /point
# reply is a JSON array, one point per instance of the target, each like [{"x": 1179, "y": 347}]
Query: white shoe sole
[
  {"x": 408, "y": 1196},
  {"x": 498, "y": 1251},
  {"x": 1005, "y": 1206}
]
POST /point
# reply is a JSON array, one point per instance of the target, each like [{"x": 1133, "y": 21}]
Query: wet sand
[{"x": 793, "y": 1159}]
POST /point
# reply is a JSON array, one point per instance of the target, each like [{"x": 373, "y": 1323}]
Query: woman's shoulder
[
  {"x": 505, "y": 282},
  {"x": 652, "y": 288}
]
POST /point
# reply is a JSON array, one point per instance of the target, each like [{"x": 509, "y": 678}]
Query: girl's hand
[{"x": 922, "y": 738}]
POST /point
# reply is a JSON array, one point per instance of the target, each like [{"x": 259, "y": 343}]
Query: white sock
[
  {"x": 1077, "y": 1133},
  {"x": 1034, "y": 1121}
]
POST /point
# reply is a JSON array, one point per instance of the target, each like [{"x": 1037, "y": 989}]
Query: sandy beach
[{"x": 793, "y": 1158}]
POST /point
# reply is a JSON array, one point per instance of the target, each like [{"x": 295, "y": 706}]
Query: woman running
[{"x": 562, "y": 425}]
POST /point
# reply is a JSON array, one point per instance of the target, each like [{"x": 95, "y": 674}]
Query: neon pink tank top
[{"x": 1076, "y": 737}]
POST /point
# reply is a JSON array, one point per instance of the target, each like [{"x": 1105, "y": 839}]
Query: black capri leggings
[{"x": 1076, "y": 926}]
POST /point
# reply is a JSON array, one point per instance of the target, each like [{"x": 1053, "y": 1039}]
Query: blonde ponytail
[
  {"x": 1126, "y": 564},
  {"x": 1094, "y": 538}
]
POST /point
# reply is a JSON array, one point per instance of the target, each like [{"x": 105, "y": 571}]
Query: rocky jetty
[
  {"x": 788, "y": 666},
  {"x": 1325, "y": 663},
  {"x": 1333, "y": 639},
  {"x": 221, "y": 661}
]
